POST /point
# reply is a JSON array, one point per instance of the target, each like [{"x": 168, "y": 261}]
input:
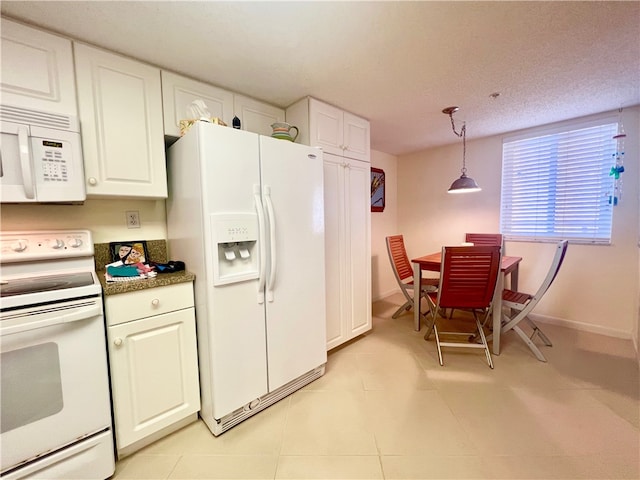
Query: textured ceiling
[{"x": 396, "y": 63}]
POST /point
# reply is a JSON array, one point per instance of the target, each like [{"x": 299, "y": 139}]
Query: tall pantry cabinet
[{"x": 345, "y": 140}]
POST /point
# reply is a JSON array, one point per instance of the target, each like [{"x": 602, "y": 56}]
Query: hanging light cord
[{"x": 463, "y": 135}]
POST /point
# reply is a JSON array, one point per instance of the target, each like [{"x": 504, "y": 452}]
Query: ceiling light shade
[{"x": 463, "y": 184}]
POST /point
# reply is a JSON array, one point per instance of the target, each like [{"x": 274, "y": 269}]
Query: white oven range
[{"x": 55, "y": 402}]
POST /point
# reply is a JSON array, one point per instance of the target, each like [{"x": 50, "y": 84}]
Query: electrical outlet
[{"x": 133, "y": 219}]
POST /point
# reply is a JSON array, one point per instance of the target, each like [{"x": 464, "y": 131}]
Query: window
[{"x": 556, "y": 184}]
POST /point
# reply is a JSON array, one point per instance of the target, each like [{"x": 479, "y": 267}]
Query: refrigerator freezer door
[
  {"x": 213, "y": 170},
  {"x": 292, "y": 182}
]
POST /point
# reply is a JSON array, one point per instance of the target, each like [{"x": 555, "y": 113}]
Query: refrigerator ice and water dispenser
[{"x": 236, "y": 238}]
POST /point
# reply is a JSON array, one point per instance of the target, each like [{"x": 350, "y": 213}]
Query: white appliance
[
  {"x": 40, "y": 157},
  {"x": 55, "y": 403},
  {"x": 246, "y": 214}
]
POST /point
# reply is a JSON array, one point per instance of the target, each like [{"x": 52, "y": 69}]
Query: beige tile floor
[{"x": 386, "y": 409}]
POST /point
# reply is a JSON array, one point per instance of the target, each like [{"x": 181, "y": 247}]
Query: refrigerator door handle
[
  {"x": 272, "y": 242},
  {"x": 261, "y": 242}
]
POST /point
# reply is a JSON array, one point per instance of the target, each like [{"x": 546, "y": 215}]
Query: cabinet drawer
[{"x": 145, "y": 303}]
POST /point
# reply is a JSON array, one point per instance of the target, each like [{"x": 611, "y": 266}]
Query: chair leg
[
  {"x": 406, "y": 307},
  {"x": 534, "y": 348},
  {"x": 487, "y": 352},
  {"x": 435, "y": 329},
  {"x": 537, "y": 330}
]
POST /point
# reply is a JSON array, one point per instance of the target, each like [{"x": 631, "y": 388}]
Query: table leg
[
  {"x": 497, "y": 314},
  {"x": 417, "y": 274},
  {"x": 514, "y": 279}
]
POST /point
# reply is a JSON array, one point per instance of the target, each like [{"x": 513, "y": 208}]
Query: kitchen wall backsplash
[
  {"x": 157, "y": 250},
  {"x": 106, "y": 219}
]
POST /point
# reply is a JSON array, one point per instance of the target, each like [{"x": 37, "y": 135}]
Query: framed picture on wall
[{"x": 377, "y": 190}]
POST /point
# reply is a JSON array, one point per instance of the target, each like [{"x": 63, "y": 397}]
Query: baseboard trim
[
  {"x": 386, "y": 294},
  {"x": 585, "y": 327}
]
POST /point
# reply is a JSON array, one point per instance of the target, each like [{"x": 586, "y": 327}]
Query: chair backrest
[
  {"x": 468, "y": 276},
  {"x": 398, "y": 258},
  {"x": 558, "y": 258},
  {"x": 484, "y": 238}
]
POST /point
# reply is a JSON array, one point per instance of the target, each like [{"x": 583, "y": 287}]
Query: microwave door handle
[{"x": 25, "y": 162}]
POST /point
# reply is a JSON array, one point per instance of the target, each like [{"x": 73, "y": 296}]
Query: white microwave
[{"x": 40, "y": 157}]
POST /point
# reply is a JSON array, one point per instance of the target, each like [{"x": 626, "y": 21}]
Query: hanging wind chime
[{"x": 618, "y": 166}]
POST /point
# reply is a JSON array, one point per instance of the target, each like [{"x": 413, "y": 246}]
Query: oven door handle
[{"x": 84, "y": 313}]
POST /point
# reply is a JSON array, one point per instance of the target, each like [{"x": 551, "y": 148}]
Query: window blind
[{"x": 557, "y": 185}]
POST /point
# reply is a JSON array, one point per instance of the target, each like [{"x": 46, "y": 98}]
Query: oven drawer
[{"x": 129, "y": 306}]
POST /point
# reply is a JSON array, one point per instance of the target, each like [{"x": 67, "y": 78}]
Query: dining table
[{"x": 432, "y": 262}]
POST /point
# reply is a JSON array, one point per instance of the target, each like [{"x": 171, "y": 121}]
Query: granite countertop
[
  {"x": 161, "y": 280},
  {"x": 157, "y": 251}
]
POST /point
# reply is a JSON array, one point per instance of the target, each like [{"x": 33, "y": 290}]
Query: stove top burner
[{"x": 22, "y": 286}]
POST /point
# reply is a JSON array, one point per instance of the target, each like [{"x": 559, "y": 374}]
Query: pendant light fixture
[{"x": 463, "y": 184}]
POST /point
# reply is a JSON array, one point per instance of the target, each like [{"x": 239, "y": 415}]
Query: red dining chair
[
  {"x": 404, "y": 273},
  {"x": 468, "y": 278},
  {"x": 484, "y": 238},
  {"x": 521, "y": 304}
]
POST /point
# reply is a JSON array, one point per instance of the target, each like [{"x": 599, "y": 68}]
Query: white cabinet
[
  {"x": 177, "y": 94},
  {"x": 347, "y": 248},
  {"x": 153, "y": 362},
  {"x": 256, "y": 116},
  {"x": 120, "y": 106},
  {"x": 37, "y": 70},
  {"x": 336, "y": 131},
  {"x": 344, "y": 139}
]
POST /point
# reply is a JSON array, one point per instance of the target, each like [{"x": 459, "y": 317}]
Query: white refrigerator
[{"x": 246, "y": 215}]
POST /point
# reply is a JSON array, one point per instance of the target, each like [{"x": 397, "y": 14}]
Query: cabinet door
[
  {"x": 256, "y": 116},
  {"x": 37, "y": 70},
  {"x": 347, "y": 248},
  {"x": 358, "y": 233},
  {"x": 120, "y": 104},
  {"x": 177, "y": 94},
  {"x": 335, "y": 255},
  {"x": 154, "y": 374},
  {"x": 356, "y": 137},
  {"x": 326, "y": 127}
]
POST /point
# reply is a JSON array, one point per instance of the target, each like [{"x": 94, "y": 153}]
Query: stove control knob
[
  {"x": 56, "y": 244},
  {"x": 19, "y": 246},
  {"x": 76, "y": 243}
]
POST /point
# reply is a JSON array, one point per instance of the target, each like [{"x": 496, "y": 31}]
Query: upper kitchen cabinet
[
  {"x": 179, "y": 92},
  {"x": 120, "y": 107},
  {"x": 336, "y": 131},
  {"x": 37, "y": 70},
  {"x": 256, "y": 116}
]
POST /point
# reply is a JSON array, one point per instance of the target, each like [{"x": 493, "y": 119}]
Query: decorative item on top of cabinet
[
  {"x": 336, "y": 131},
  {"x": 347, "y": 215},
  {"x": 153, "y": 363},
  {"x": 120, "y": 106},
  {"x": 37, "y": 70},
  {"x": 256, "y": 116},
  {"x": 179, "y": 92}
]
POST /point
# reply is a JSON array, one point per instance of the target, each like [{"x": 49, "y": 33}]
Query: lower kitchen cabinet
[{"x": 153, "y": 362}]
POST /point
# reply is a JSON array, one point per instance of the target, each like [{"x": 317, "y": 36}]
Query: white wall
[
  {"x": 383, "y": 224},
  {"x": 105, "y": 218},
  {"x": 597, "y": 288}
]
